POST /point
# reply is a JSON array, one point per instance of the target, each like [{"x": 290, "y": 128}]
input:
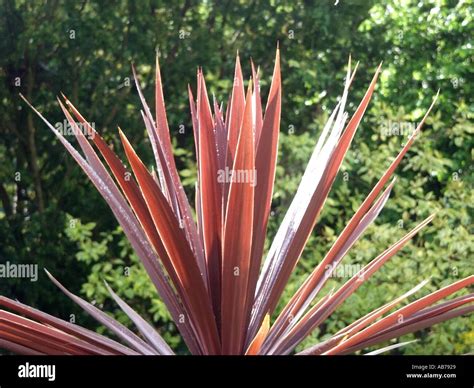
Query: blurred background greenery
[{"x": 51, "y": 215}]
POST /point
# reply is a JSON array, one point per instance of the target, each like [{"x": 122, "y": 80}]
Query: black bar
[{"x": 322, "y": 371}]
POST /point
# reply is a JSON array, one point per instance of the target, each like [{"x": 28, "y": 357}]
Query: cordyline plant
[{"x": 208, "y": 268}]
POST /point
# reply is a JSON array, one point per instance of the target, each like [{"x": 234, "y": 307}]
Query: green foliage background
[{"x": 51, "y": 215}]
